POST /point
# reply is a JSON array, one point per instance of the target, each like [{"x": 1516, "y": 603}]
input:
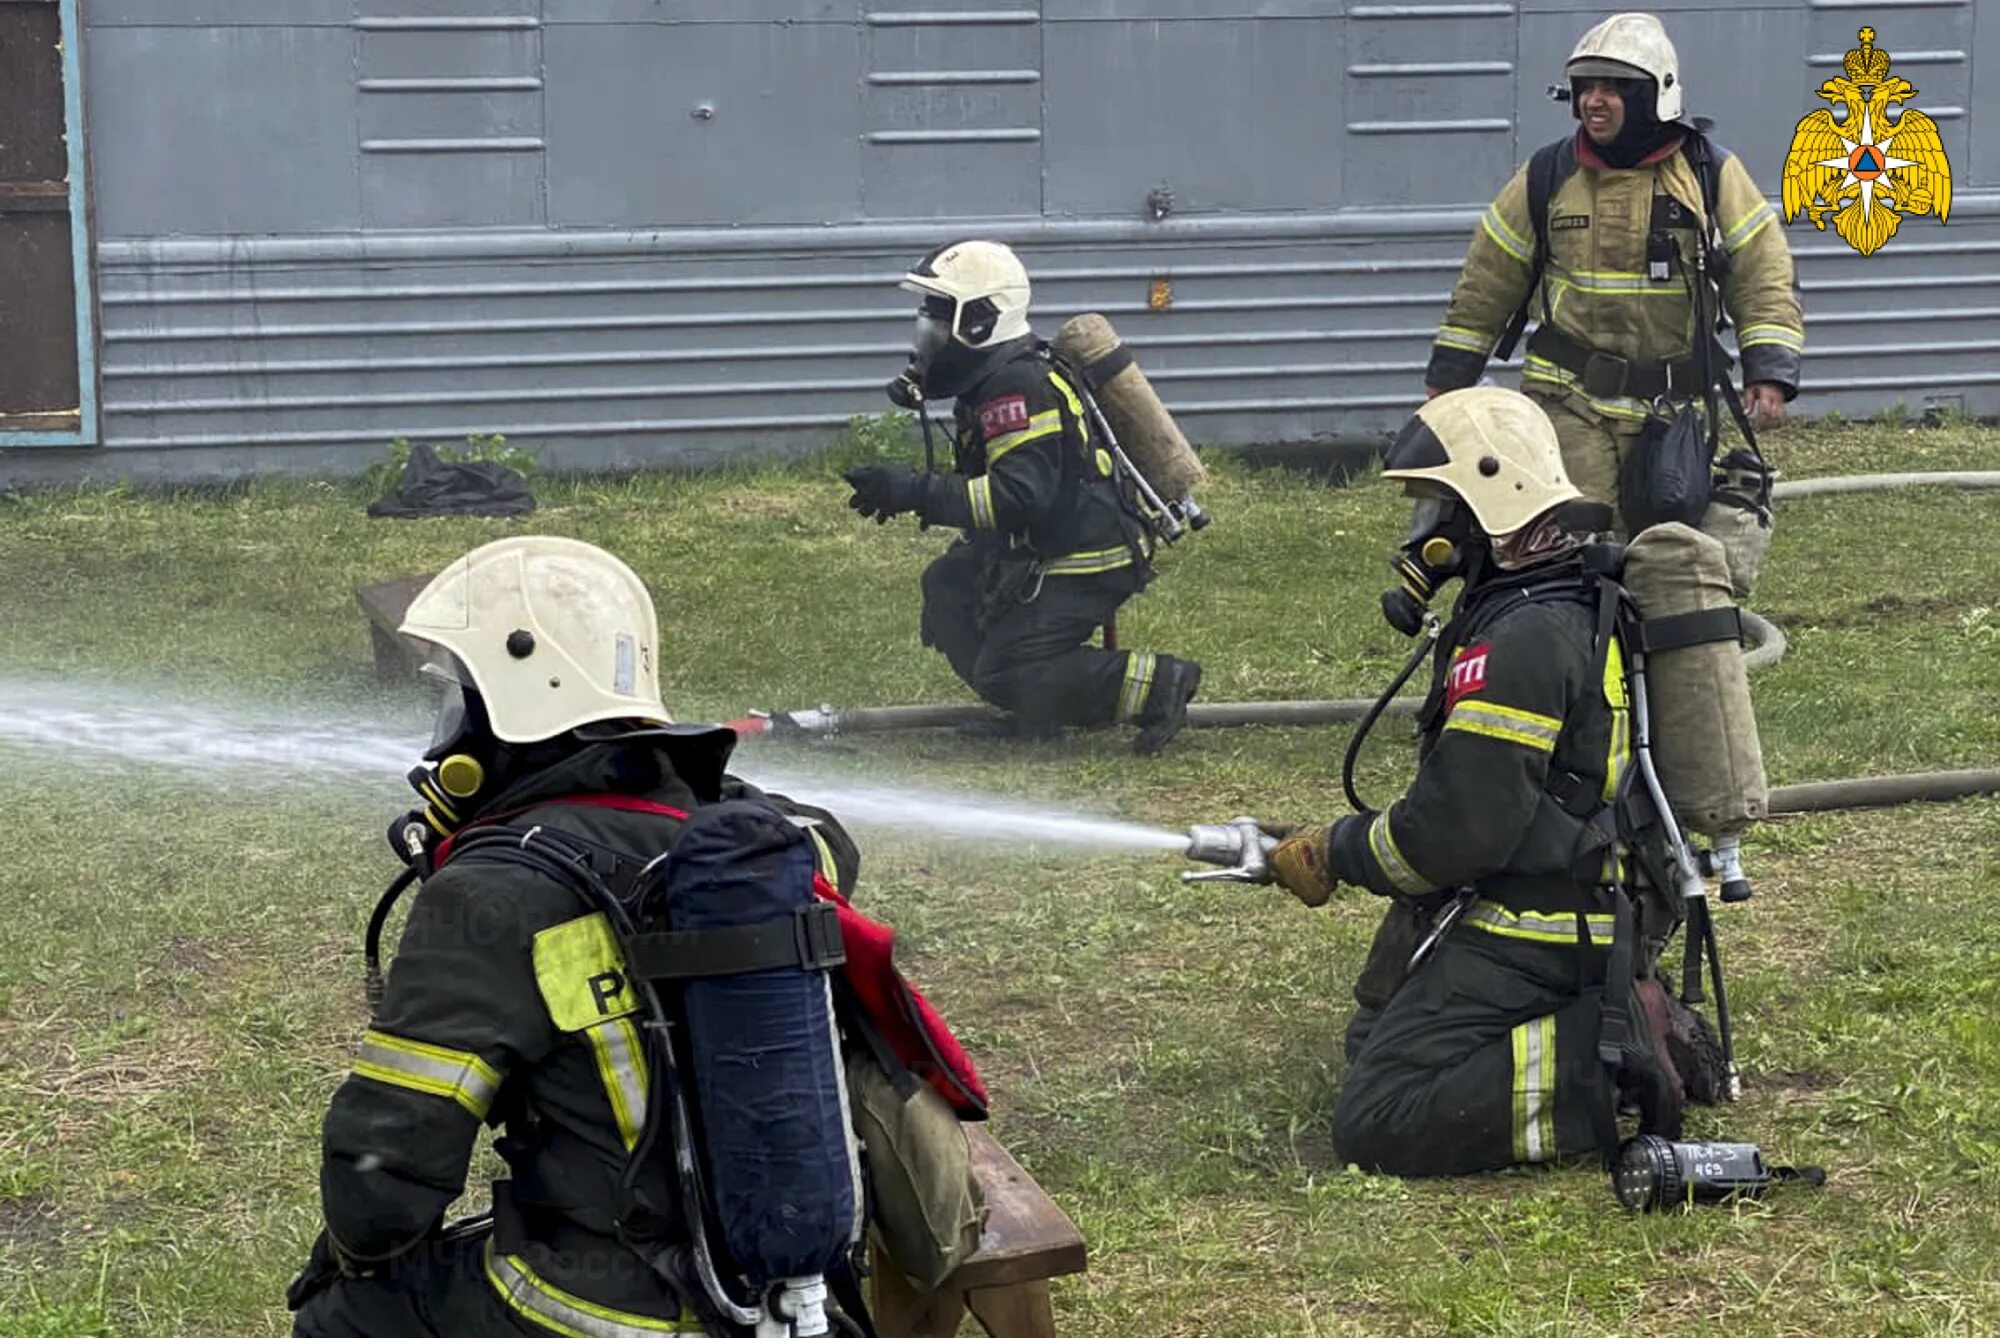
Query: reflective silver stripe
[
  {"x": 1090, "y": 563},
  {"x": 979, "y": 492},
  {"x": 1534, "y": 1086},
  {"x": 621, "y": 1063},
  {"x": 1401, "y": 873},
  {"x": 1505, "y": 237},
  {"x": 1538, "y": 926},
  {"x": 1507, "y": 723},
  {"x": 554, "y": 1309},
  {"x": 1138, "y": 681},
  {"x": 433, "y": 1069},
  {"x": 1472, "y": 341},
  {"x": 1046, "y": 423},
  {"x": 1753, "y": 223},
  {"x": 1781, "y": 335}
]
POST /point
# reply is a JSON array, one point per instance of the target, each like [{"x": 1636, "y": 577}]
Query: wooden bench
[
  {"x": 1005, "y": 1285},
  {"x": 385, "y": 602}
]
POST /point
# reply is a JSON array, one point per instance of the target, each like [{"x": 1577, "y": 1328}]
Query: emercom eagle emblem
[{"x": 1865, "y": 170}]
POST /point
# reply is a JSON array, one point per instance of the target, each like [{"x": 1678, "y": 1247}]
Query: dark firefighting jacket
[
  {"x": 1026, "y": 466},
  {"x": 1522, "y": 737},
  {"x": 507, "y": 1005},
  {"x": 1597, "y": 286}
]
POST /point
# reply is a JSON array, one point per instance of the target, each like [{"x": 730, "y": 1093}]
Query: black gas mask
[
  {"x": 943, "y": 362},
  {"x": 459, "y": 764},
  {"x": 1441, "y": 544}
]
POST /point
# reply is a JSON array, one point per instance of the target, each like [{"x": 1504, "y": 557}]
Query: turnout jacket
[
  {"x": 506, "y": 1004},
  {"x": 1522, "y": 730},
  {"x": 1025, "y": 465},
  {"x": 1596, "y": 284}
]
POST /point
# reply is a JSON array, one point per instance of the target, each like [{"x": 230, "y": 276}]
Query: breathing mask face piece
[
  {"x": 1433, "y": 552},
  {"x": 454, "y": 772}
]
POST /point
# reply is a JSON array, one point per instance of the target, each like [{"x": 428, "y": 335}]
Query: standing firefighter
[
  {"x": 512, "y": 1001},
  {"x": 1616, "y": 241},
  {"x": 1487, "y": 1051},
  {"x": 1051, "y": 546}
]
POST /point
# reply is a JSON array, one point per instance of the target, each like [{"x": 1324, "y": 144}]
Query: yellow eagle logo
[{"x": 1866, "y": 170}]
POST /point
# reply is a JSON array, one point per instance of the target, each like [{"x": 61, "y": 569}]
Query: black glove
[{"x": 882, "y": 491}]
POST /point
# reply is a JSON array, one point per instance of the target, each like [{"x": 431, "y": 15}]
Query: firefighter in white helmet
[
  {"x": 545, "y": 651},
  {"x": 1487, "y": 1052},
  {"x": 1603, "y": 239},
  {"x": 1050, "y": 547}
]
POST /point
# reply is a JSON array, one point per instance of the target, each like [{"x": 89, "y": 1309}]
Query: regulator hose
[{"x": 1432, "y": 628}]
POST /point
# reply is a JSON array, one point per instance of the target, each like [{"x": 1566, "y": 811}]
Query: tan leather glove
[{"x": 1300, "y": 866}]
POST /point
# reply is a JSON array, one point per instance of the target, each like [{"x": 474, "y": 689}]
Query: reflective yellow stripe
[
  {"x": 1538, "y": 926},
  {"x": 1505, "y": 237},
  {"x": 621, "y": 1063},
  {"x": 1139, "y": 667},
  {"x": 1402, "y": 875},
  {"x": 1457, "y": 336},
  {"x": 1534, "y": 1089},
  {"x": 1618, "y": 755},
  {"x": 1752, "y": 223},
  {"x": 979, "y": 492},
  {"x": 1782, "y": 335},
  {"x": 829, "y": 867},
  {"x": 1494, "y": 721},
  {"x": 1069, "y": 396},
  {"x": 581, "y": 973},
  {"x": 1090, "y": 563},
  {"x": 1044, "y": 424},
  {"x": 432, "y": 1069},
  {"x": 549, "y": 1307},
  {"x": 1618, "y": 282}
]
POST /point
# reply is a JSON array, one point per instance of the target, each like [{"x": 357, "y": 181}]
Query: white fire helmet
[
  {"x": 553, "y": 633},
  {"x": 1493, "y": 448},
  {"x": 975, "y": 292},
  {"x": 1631, "y": 46}
]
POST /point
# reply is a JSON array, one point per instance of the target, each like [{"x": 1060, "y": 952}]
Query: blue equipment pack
[{"x": 750, "y": 947}]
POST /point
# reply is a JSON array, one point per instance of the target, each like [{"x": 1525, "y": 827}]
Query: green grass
[{"x": 179, "y": 959}]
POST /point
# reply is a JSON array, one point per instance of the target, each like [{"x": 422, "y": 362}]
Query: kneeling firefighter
[
  {"x": 626, "y": 958},
  {"x": 1510, "y": 1004},
  {"x": 1053, "y": 540}
]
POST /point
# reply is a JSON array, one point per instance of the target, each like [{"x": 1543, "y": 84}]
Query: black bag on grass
[{"x": 468, "y": 488}]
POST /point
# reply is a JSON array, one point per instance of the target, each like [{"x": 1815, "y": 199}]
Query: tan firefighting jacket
[{"x": 1596, "y": 283}]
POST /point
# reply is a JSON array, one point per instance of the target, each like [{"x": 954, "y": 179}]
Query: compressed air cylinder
[
  {"x": 762, "y": 1051},
  {"x": 1145, "y": 429},
  {"x": 1704, "y": 733}
]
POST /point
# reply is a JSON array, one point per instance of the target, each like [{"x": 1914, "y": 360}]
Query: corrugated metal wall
[{"x": 632, "y": 231}]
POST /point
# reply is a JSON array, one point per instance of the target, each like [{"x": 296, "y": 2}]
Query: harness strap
[
  {"x": 1607, "y": 376},
  {"x": 809, "y": 941},
  {"x": 1681, "y": 630}
]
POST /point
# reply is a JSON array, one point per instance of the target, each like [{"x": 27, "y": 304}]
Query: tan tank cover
[
  {"x": 1144, "y": 427},
  {"x": 1704, "y": 733}
]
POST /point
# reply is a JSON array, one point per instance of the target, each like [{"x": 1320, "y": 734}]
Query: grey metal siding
[{"x": 626, "y": 232}]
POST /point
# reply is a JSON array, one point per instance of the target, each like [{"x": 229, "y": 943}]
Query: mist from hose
[{"x": 102, "y": 729}]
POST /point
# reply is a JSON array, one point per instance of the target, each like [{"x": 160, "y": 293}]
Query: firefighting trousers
[
  {"x": 1593, "y": 447},
  {"x": 1485, "y": 1057},
  {"x": 441, "y": 1291},
  {"x": 1023, "y": 644},
  {"x": 463, "y": 1287}
]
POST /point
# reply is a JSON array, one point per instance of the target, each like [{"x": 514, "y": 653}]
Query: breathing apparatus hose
[
  {"x": 1432, "y": 628},
  {"x": 371, "y": 944}
]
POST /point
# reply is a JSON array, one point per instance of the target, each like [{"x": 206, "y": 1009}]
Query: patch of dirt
[
  {"x": 27, "y": 1223},
  {"x": 1867, "y": 613},
  {"x": 185, "y": 952},
  {"x": 77, "y": 1087},
  {"x": 1797, "y": 1080}
]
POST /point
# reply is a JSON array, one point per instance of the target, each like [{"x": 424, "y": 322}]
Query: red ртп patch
[
  {"x": 1467, "y": 674},
  {"x": 1009, "y": 413}
]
